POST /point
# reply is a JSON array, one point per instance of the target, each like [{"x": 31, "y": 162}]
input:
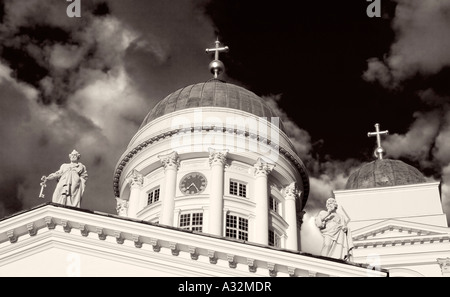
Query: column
[
  {"x": 290, "y": 195},
  {"x": 217, "y": 161},
  {"x": 135, "y": 180},
  {"x": 262, "y": 170},
  {"x": 171, "y": 162}
]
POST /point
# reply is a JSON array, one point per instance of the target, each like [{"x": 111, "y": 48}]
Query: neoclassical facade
[{"x": 213, "y": 157}]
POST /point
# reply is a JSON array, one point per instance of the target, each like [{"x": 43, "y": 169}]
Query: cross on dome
[
  {"x": 216, "y": 66},
  {"x": 379, "y": 151}
]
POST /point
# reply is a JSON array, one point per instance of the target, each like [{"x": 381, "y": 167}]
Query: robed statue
[
  {"x": 71, "y": 178},
  {"x": 337, "y": 240}
]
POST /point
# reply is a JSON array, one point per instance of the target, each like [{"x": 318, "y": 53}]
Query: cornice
[{"x": 76, "y": 224}]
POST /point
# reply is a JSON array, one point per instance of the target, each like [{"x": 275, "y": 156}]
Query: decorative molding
[
  {"x": 135, "y": 179},
  {"x": 231, "y": 262},
  {"x": 212, "y": 257},
  {"x": 11, "y": 236},
  {"x": 401, "y": 241},
  {"x": 66, "y": 226},
  {"x": 272, "y": 270},
  {"x": 174, "y": 248},
  {"x": 122, "y": 207},
  {"x": 155, "y": 244},
  {"x": 263, "y": 168},
  {"x": 101, "y": 234},
  {"x": 291, "y": 271},
  {"x": 83, "y": 230},
  {"x": 31, "y": 228},
  {"x": 291, "y": 191},
  {"x": 133, "y": 152},
  {"x": 251, "y": 265},
  {"x": 170, "y": 160},
  {"x": 119, "y": 237},
  {"x": 444, "y": 264},
  {"x": 181, "y": 242},
  {"x": 392, "y": 227},
  {"x": 217, "y": 157},
  {"x": 193, "y": 252},
  {"x": 312, "y": 273},
  {"x": 50, "y": 223},
  {"x": 137, "y": 241}
]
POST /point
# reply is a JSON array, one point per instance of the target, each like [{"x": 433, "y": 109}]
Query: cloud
[
  {"x": 300, "y": 138},
  {"x": 421, "y": 47},
  {"x": 67, "y": 84},
  {"x": 418, "y": 141}
]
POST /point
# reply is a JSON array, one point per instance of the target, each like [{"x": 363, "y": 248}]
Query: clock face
[{"x": 193, "y": 183}]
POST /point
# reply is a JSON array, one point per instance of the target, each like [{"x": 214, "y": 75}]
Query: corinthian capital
[
  {"x": 135, "y": 179},
  {"x": 291, "y": 191},
  {"x": 170, "y": 161},
  {"x": 217, "y": 157},
  {"x": 262, "y": 167}
]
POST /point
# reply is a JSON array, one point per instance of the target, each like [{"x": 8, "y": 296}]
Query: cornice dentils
[
  {"x": 291, "y": 271},
  {"x": 119, "y": 237},
  {"x": 84, "y": 230},
  {"x": 50, "y": 223},
  {"x": 11, "y": 236},
  {"x": 137, "y": 241},
  {"x": 193, "y": 252},
  {"x": 66, "y": 226},
  {"x": 272, "y": 270},
  {"x": 212, "y": 257},
  {"x": 101, "y": 234},
  {"x": 231, "y": 262},
  {"x": 31, "y": 228},
  {"x": 155, "y": 244},
  {"x": 251, "y": 265},
  {"x": 174, "y": 248}
]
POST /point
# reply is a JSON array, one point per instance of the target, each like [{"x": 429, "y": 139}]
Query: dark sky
[{"x": 331, "y": 71}]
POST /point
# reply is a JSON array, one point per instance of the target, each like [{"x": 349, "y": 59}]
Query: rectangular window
[
  {"x": 153, "y": 196},
  {"x": 192, "y": 221},
  {"x": 273, "y": 204},
  {"x": 236, "y": 227},
  {"x": 238, "y": 188},
  {"x": 274, "y": 239}
]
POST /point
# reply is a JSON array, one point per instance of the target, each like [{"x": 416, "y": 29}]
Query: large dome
[
  {"x": 213, "y": 93},
  {"x": 384, "y": 173}
]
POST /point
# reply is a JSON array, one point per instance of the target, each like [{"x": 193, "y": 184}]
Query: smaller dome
[{"x": 384, "y": 173}]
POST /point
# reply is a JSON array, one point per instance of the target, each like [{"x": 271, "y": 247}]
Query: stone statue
[
  {"x": 71, "y": 178},
  {"x": 337, "y": 240}
]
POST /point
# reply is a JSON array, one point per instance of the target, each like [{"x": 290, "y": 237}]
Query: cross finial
[
  {"x": 379, "y": 151},
  {"x": 216, "y": 66}
]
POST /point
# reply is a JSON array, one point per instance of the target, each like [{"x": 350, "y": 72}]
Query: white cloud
[{"x": 422, "y": 29}]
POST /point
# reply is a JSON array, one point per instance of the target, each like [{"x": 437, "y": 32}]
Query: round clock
[{"x": 193, "y": 183}]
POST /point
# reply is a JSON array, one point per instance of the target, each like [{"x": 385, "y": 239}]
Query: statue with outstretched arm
[{"x": 71, "y": 178}]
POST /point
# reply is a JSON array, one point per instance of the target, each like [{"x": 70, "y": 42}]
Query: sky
[{"x": 328, "y": 69}]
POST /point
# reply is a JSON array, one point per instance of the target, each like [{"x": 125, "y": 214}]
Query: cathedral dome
[
  {"x": 384, "y": 173},
  {"x": 212, "y": 93}
]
